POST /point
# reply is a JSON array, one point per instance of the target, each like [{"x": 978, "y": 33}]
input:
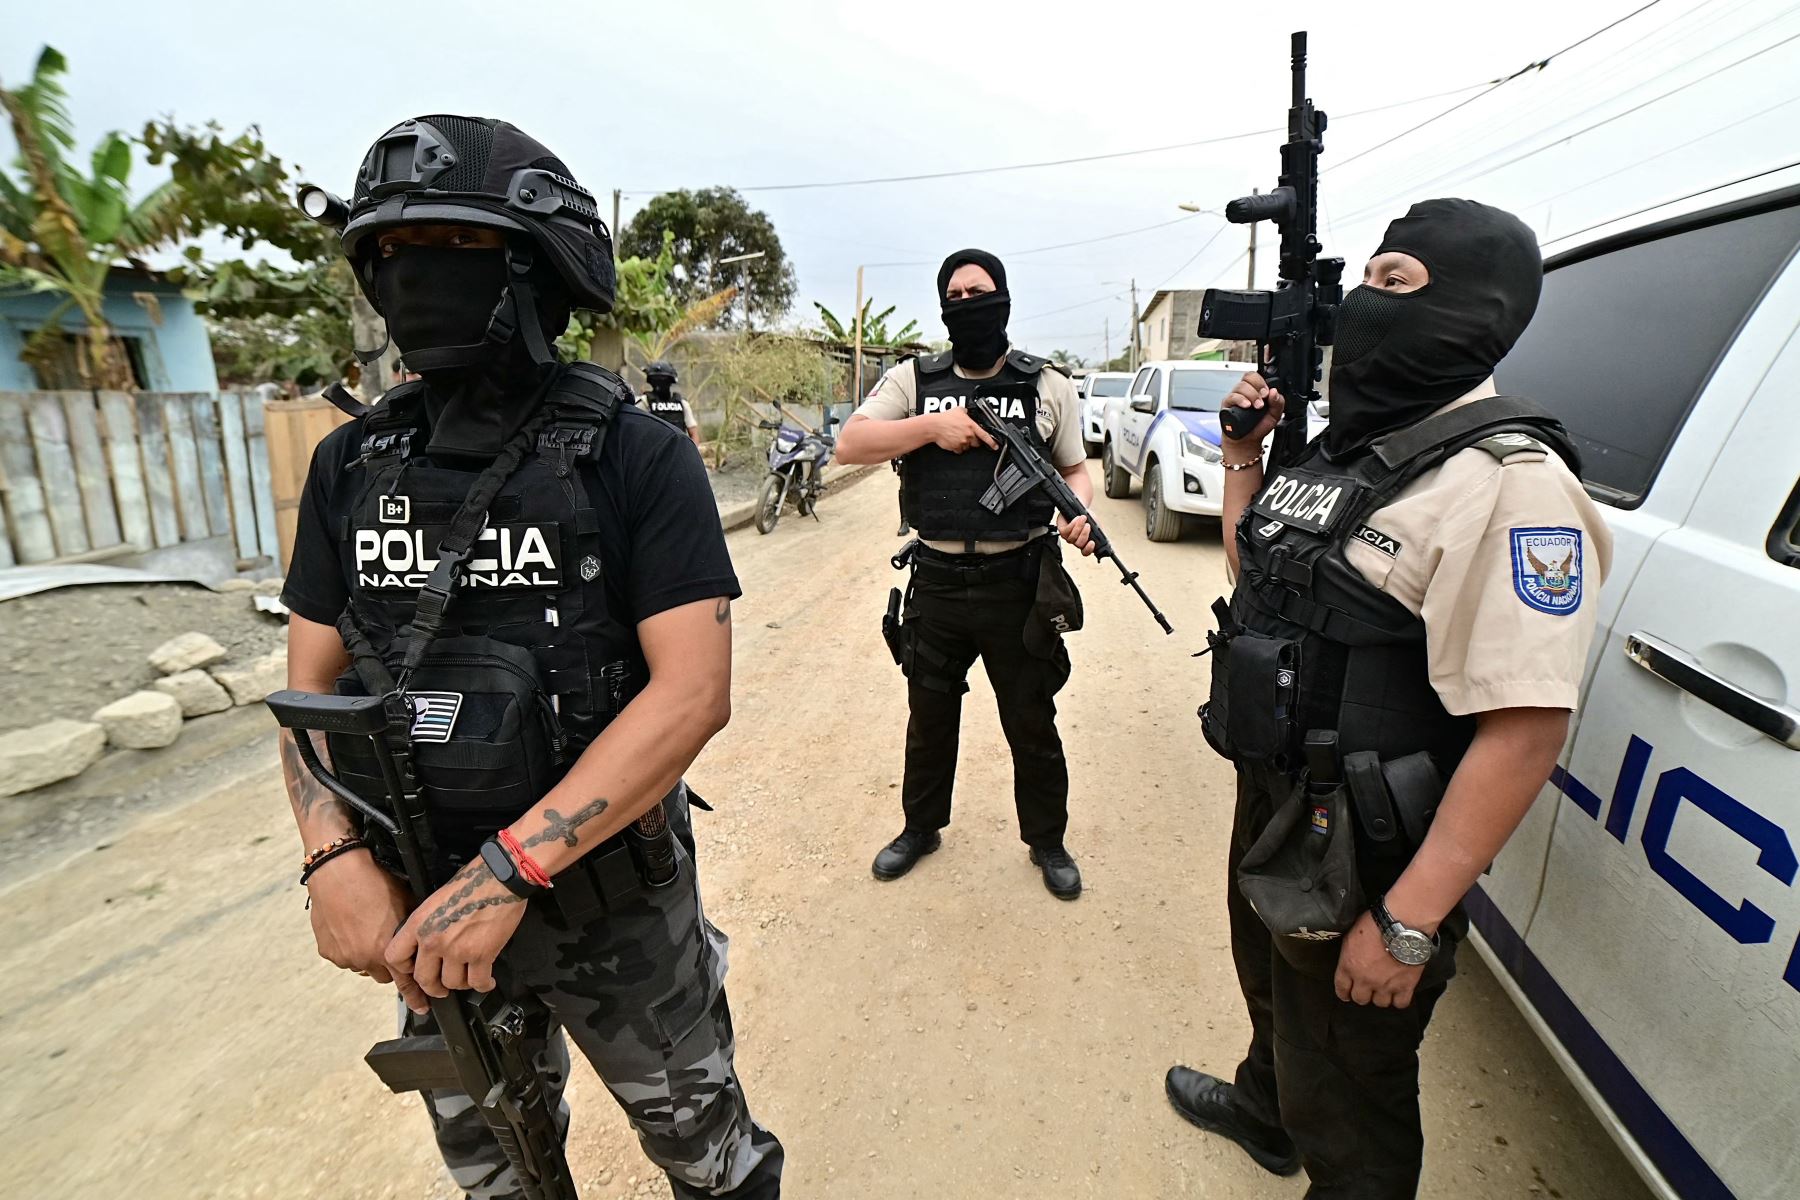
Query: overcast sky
[{"x": 676, "y": 93}]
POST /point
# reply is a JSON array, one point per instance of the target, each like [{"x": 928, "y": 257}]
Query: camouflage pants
[{"x": 641, "y": 991}]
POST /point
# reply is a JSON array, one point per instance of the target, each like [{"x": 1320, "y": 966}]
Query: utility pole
[
  {"x": 1108, "y": 328},
  {"x": 615, "y": 224},
  {"x": 1252, "y": 284},
  {"x": 856, "y": 393},
  {"x": 1135, "y": 348}
]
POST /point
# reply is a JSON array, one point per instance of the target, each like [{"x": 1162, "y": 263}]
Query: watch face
[{"x": 1410, "y": 947}]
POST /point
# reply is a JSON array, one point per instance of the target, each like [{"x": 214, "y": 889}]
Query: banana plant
[
  {"x": 874, "y": 327},
  {"x": 62, "y": 228}
]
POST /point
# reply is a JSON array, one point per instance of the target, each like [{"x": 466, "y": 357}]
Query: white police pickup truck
[
  {"x": 1093, "y": 390},
  {"x": 1165, "y": 431},
  {"x": 1646, "y": 916}
]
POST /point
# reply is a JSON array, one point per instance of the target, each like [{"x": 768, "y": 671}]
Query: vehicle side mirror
[{"x": 1143, "y": 404}]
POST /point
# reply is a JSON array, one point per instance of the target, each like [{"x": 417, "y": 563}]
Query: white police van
[
  {"x": 1165, "y": 431},
  {"x": 1646, "y": 916},
  {"x": 1093, "y": 390}
]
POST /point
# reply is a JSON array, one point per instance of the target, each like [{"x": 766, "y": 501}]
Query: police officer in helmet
[
  {"x": 662, "y": 400},
  {"x": 984, "y": 585},
  {"x": 1393, "y": 679},
  {"x": 514, "y": 544}
]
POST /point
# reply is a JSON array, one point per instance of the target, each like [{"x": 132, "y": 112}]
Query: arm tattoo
[
  {"x": 306, "y": 792},
  {"x": 560, "y": 828},
  {"x": 457, "y": 905},
  {"x": 722, "y": 613}
]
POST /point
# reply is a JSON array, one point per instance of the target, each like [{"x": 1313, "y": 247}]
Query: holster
[
  {"x": 891, "y": 628},
  {"x": 1300, "y": 875}
]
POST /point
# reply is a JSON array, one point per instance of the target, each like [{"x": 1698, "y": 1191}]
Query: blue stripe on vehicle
[
  {"x": 1661, "y": 1140},
  {"x": 1206, "y": 431}
]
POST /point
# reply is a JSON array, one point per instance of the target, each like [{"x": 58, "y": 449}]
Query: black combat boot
[
  {"x": 1061, "y": 875},
  {"x": 899, "y": 856},
  {"x": 1211, "y": 1103}
]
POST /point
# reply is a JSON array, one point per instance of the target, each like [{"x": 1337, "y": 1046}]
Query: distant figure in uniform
[
  {"x": 662, "y": 400},
  {"x": 565, "y": 668},
  {"x": 1407, "y": 635},
  {"x": 984, "y": 585}
]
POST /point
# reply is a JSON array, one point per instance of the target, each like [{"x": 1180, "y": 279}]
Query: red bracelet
[{"x": 528, "y": 866}]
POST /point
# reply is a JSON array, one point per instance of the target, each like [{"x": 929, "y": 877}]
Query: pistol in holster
[{"x": 892, "y": 628}]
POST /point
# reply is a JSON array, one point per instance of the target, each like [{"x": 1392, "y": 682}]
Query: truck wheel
[
  {"x": 1114, "y": 482},
  {"x": 1161, "y": 524}
]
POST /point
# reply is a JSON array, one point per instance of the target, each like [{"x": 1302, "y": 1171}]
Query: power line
[
  {"x": 1456, "y": 172},
  {"x": 1105, "y": 237},
  {"x": 1050, "y": 312},
  {"x": 1202, "y": 250},
  {"x": 1539, "y": 65},
  {"x": 1064, "y": 162}
]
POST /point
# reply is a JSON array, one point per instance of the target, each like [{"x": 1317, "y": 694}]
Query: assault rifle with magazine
[{"x": 1023, "y": 469}]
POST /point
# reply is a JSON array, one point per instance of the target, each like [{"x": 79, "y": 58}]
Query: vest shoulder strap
[
  {"x": 1465, "y": 426},
  {"x": 587, "y": 393},
  {"x": 1029, "y": 364},
  {"x": 933, "y": 364}
]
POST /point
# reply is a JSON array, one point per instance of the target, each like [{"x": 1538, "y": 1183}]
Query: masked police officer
[
  {"x": 539, "y": 565},
  {"x": 662, "y": 400},
  {"x": 984, "y": 585},
  {"x": 1413, "y": 606}
]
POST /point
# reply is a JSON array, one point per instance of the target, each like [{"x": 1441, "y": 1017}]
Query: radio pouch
[{"x": 1250, "y": 707}]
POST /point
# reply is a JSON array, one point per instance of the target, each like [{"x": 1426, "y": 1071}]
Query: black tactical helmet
[
  {"x": 487, "y": 173},
  {"x": 662, "y": 368}
]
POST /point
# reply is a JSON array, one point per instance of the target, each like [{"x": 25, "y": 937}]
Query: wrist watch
[
  {"x": 1409, "y": 946},
  {"x": 506, "y": 871}
]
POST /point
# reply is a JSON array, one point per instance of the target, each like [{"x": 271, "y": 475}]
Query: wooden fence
[{"x": 84, "y": 473}]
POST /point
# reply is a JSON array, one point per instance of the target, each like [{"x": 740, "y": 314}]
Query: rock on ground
[
  {"x": 186, "y": 652},
  {"x": 249, "y": 682},
  {"x": 31, "y": 758},
  {"x": 197, "y": 692},
  {"x": 141, "y": 721}
]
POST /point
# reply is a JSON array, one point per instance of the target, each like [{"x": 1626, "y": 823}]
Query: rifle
[
  {"x": 1293, "y": 323},
  {"x": 1023, "y": 468},
  {"x": 479, "y": 1048}
]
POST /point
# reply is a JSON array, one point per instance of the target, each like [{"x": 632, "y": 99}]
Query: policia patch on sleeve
[
  {"x": 1389, "y": 546},
  {"x": 1546, "y": 568}
]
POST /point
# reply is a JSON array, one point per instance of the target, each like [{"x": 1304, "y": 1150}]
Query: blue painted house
[{"x": 165, "y": 340}]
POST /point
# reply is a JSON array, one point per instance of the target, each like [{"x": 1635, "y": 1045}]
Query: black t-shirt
[{"x": 657, "y": 515}]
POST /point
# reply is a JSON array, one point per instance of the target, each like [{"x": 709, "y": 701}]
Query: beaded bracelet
[
  {"x": 326, "y": 853},
  {"x": 1243, "y": 466}
]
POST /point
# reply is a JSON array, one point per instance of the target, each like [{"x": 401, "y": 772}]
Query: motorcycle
[{"x": 796, "y": 472}]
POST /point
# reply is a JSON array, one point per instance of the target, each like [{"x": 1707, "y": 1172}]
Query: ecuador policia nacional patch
[{"x": 1546, "y": 568}]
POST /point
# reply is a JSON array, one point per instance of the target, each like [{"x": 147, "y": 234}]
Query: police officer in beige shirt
[
  {"x": 982, "y": 583},
  {"x": 1411, "y": 617}
]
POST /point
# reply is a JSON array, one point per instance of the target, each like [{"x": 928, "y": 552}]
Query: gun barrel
[
  {"x": 1130, "y": 578},
  {"x": 1297, "y": 47}
]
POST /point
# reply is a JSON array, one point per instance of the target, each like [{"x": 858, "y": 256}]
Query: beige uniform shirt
[
  {"x": 1503, "y": 559},
  {"x": 1058, "y": 420},
  {"x": 687, "y": 410}
]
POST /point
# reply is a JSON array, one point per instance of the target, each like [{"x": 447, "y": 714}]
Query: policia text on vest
[{"x": 987, "y": 579}]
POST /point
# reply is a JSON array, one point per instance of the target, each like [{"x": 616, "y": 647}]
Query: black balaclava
[
  {"x": 977, "y": 325},
  {"x": 441, "y": 296},
  {"x": 1400, "y": 356}
]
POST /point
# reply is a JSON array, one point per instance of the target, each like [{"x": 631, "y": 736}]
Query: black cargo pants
[
  {"x": 960, "y": 608},
  {"x": 1341, "y": 1078}
]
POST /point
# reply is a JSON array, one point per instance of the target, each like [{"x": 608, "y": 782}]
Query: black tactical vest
[
  {"x": 940, "y": 490},
  {"x": 1309, "y": 643},
  {"x": 669, "y": 408},
  {"x": 530, "y": 664}
]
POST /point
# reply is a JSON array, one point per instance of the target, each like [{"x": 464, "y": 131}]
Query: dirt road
[{"x": 168, "y": 1032}]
